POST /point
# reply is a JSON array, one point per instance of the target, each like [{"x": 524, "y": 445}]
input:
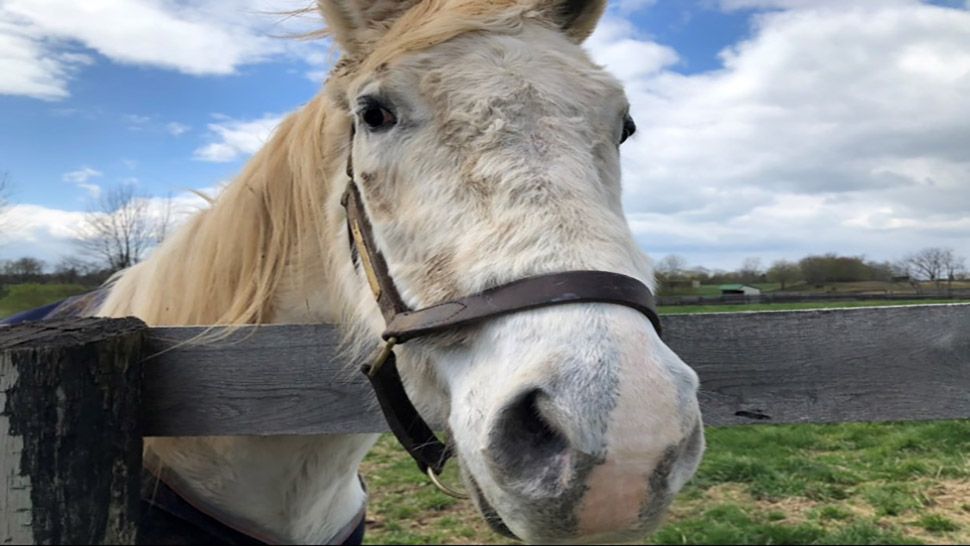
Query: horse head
[{"x": 485, "y": 145}]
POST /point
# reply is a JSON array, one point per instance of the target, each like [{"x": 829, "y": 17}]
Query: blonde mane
[{"x": 228, "y": 263}]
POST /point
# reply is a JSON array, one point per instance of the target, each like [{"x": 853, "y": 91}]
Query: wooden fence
[{"x": 78, "y": 396}]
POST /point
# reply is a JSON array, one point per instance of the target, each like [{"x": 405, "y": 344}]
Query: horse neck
[{"x": 296, "y": 488}]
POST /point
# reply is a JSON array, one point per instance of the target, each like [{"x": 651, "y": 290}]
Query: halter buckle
[{"x": 382, "y": 357}]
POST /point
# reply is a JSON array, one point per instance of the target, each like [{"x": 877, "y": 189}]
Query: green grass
[
  {"x": 404, "y": 507},
  {"x": 900, "y": 483},
  {"x": 21, "y": 297},
  {"x": 936, "y": 523}
]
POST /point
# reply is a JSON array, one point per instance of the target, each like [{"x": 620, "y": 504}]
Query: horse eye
[
  {"x": 375, "y": 115},
  {"x": 629, "y": 127}
]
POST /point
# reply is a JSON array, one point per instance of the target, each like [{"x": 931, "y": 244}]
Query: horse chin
[{"x": 485, "y": 508}]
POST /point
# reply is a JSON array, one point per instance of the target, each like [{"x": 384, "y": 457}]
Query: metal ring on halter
[{"x": 444, "y": 488}]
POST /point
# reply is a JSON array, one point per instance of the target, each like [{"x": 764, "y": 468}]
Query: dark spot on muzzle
[{"x": 659, "y": 494}]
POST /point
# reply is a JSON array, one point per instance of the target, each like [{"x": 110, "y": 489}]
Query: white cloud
[
  {"x": 81, "y": 175},
  {"x": 627, "y": 7},
  {"x": 617, "y": 47},
  {"x": 136, "y": 122},
  {"x": 82, "y": 179},
  {"x": 50, "y": 234},
  {"x": 152, "y": 123},
  {"x": 834, "y": 127},
  {"x": 731, "y": 5},
  {"x": 201, "y": 37},
  {"x": 93, "y": 190},
  {"x": 29, "y": 68},
  {"x": 177, "y": 129},
  {"x": 237, "y": 138},
  {"x": 41, "y": 232},
  {"x": 319, "y": 63}
]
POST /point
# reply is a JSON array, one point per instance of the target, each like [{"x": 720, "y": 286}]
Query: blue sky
[
  {"x": 769, "y": 128},
  {"x": 130, "y": 122},
  {"x": 118, "y": 118}
]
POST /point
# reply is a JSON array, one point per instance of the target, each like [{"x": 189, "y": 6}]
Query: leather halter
[{"x": 404, "y": 324}]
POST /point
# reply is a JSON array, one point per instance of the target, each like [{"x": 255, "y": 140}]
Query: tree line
[
  {"x": 66, "y": 271},
  {"x": 937, "y": 265}
]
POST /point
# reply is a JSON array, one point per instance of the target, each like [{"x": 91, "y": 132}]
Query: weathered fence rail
[
  {"x": 890, "y": 363},
  {"x": 74, "y": 409}
]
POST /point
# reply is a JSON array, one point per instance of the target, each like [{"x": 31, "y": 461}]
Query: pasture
[
  {"x": 804, "y": 484},
  {"x": 20, "y": 297}
]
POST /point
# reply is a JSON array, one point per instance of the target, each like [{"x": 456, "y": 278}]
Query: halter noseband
[{"x": 403, "y": 323}]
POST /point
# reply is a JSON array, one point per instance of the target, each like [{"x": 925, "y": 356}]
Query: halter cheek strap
[{"x": 402, "y": 418}]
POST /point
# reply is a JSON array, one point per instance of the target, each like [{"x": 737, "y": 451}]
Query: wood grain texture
[
  {"x": 70, "y": 436},
  {"x": 870, "y": 364},
  {"x": 829, "y": 366},
  {"x": 15, "y": 503},
  {"x": 265, "y": 380}
]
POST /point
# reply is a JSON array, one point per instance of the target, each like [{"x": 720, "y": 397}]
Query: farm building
[{"x": 739, "y": 289}]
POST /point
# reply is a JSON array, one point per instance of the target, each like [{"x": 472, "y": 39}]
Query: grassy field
[
  {"x": 21, "y": 297},
  {"x": 806, "y": 484}
]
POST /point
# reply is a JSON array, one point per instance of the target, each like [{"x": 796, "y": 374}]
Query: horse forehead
[{"x": 536, "y": 69}]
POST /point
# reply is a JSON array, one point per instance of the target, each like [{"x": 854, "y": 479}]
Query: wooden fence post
[{"x": 70, "y": 437}]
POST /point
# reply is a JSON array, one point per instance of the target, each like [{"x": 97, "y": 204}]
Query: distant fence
[
  {"x": 79, "y": 396},
  {"x": 798, "y": 297}
]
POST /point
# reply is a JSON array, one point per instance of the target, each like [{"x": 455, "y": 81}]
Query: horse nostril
[{"x": 525, "y": 447}]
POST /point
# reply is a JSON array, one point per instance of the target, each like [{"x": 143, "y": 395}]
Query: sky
[{"x": 766, "y": 128}]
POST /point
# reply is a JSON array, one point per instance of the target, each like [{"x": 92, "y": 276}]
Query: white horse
[{"x": 486, "y": 150}]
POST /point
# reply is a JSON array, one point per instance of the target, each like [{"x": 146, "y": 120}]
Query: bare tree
[
  {"x": 784, "y": 272},
  {"x": 954, "y": 269},
  {"x": 751, "y": 271},
  {"x": 121, "y": 227},
  {"x": 935, "y": 264},
  {"x": 672, "y": 266},
  {"x": 163, "y": 221}
]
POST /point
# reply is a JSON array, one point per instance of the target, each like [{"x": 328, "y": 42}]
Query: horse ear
[
  {"x": 577, "y": 18},
  {"x": 356, "y": 24}
]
